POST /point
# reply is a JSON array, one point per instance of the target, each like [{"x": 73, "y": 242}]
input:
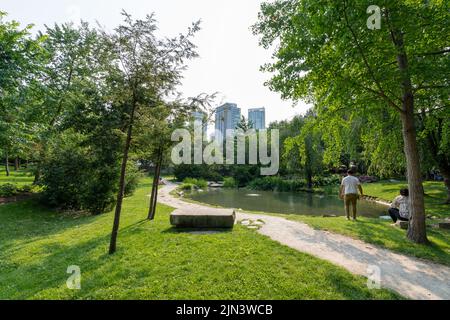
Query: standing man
[{"x": 349, "y": 192}]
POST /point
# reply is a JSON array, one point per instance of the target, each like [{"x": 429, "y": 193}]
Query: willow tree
[
  {"x": 347, "y": 54},
  {"x": 145, "y": 71}
]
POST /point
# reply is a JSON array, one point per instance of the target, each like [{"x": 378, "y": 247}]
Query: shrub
[
  {"x": 8, "y": 190},
  {"x": 78, "y": 177},
  {"x": 274, "y": 183},
  {"x": 187, "y": 186},
  {"x": 196, "y": 183},
  {"x": 321, "y": 181},
  {"x": 132, "y": 178},
  {"x": 26, "y": 188},
  {"x": 229, "y": 182}
]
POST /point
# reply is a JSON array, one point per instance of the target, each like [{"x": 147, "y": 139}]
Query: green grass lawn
[
  {"x": 19, "y": 178},
  {"x": 382, "y": 233},
  {"x": 435, "y": 194},
  {"x": 155, "y": 261}
]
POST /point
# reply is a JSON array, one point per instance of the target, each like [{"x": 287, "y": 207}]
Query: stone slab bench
[{"x": 203, "y": 218}]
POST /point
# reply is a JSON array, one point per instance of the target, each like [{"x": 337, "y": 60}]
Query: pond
[{"x": 283, "y": 202}]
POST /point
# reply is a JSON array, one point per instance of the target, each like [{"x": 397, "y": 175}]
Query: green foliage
[
  {"x": 76, "y": 178},
  {"x": 153, "y": 257},
  {"x": 184, "y": 171},
  {"x": 12, "y": 189},
  {"x": 133, "y": 175},
  {"x": 8, "y": 190},
  {"x": 196, "y": 183},
  {"x": 276, "y": 183},
  {"x": 229, "y": 182}
]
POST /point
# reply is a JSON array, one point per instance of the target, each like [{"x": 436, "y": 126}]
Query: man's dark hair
[
  {"x": 351, "y": 171},
  {"x": 404, "y": 192}
]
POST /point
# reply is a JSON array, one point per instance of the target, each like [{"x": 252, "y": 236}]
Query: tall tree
[
  {"x": 329, "y": 54},
  {"x": 21, "y": 58},
  {"x": 147, "y": 70}
]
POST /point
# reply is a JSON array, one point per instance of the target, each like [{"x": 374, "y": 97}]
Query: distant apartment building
[
  {"x": 227, "y": 117},
  {"x": 200, "y": 118},
  {"x": 257, "y": 118}
]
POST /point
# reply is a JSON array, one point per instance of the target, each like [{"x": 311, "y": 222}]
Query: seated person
[{"x": 399, "y": 209}]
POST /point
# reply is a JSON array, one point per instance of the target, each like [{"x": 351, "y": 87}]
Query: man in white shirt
[{"x": 349, "y": 192}]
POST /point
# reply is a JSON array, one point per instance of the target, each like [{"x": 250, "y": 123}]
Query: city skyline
[{"x": 233, "y": 73}]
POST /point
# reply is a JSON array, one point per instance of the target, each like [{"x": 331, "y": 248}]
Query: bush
[
  {"x": 274, "y": 183},
  {"x": 229, "y": 182},
  {"x": 183, "y": 171},
  {"x": 8, "y": 190},
  {"x": 187, "y": 186},
  {"x": 132, "y": 179},
  {"x": 321, "y": 181},
  {"x": 196, "y": 183},
  {"x": 77, "y": 177},
  {"x": 26, "y": 188}
]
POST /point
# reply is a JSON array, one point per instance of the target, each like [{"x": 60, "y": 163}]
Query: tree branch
[{"x": 380, "y": 92}]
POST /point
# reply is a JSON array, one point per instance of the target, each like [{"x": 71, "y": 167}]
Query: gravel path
[{"x": 410, "y": 277}]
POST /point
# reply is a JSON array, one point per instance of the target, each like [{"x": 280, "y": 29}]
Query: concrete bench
[{"x": 203, "y": 218}]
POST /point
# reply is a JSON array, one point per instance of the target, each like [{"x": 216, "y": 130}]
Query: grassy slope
[
  {"x": 381, "y": 232},
  {"x": 154, "y": 261}
]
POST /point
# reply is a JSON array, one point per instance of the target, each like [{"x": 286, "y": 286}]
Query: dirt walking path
[{"x": 410, "y": 277}]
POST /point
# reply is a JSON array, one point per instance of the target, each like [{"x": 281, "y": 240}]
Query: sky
[{"x": 230, "y": 57}]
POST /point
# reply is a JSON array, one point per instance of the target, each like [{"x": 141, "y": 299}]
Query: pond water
[{"x": 283, "y": 202}]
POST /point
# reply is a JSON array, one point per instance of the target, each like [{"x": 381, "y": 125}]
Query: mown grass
[
  {"x": 435, "y": 194},
  {"x": 382, "y": 233},
  {"x": 156, "y": 261},
  {"x": 19, "y": 178}
]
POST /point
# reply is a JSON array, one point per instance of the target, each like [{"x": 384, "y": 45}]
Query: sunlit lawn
[
  {"x": 382, "y": 233},
  {"x": 155, "y": 261},
  {"x": 18, "y": 178}
]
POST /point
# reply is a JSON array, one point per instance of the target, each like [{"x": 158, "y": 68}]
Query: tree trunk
[
  {"x": 120, "y": 194},
  {"x": 417, "y": 224},
  {"x": 154, "y": 187},
  {"x": 417, "y": 231},
  {"x": 154, "y": 197},
  {"x": 16, "y": 164},
  {"x": 7, "y": 163},
  {"x": 446, "y": 175}
]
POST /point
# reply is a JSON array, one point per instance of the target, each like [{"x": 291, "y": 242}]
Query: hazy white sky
[{"x": 230, "y": 57}]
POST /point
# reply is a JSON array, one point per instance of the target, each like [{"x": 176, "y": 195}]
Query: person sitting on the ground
[{"x": 399, "y": 209}]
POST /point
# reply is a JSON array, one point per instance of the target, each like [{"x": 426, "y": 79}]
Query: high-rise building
[
  {"x": 227, "y": 117},
  {"x": 257, "y": 118},
  {"x": 199, "y": 117}
]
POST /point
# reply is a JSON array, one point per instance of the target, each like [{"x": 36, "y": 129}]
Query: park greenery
[
  {"x": 86, "y": 117},
  {"x": 82, "y": 106},
  {"x": 385, "y": 87}
]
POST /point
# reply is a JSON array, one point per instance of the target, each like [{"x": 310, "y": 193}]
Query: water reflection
[{"x": 283, "y": 202}]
